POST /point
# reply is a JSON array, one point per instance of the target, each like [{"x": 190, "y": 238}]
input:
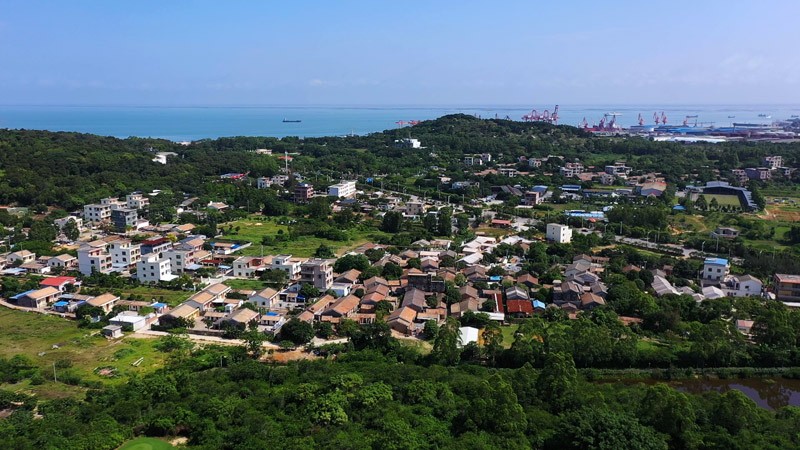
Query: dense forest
[
  {"x": 381, "y": 395},
  {"x": 71, "y": 169}
]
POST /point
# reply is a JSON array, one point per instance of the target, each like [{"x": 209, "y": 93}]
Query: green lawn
[
  {"x": 253, "y": 228},
  {"x": 730, "y": 200},
  {"x": 148, "y": 293},
  {"x": 146, "y": 443},
  {"x": 508, "y": 335},
  {"x": 35, "y": 335},
  {"x": 244, "y": 284}
]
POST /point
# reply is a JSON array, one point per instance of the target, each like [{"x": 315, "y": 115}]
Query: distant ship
[
  {"x": 795, "y": 116},
  {"x": 291, "y": 121},
  {"x": 731, "y": 117},
  {"x": 692, "y": 117},
  {"x": 765, "y": 116}
]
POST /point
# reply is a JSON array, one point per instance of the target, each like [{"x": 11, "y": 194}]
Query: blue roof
[
  {"x": 60, "y": 304},
  {"x": 716, "y": 261},
  {"x": 571, "y": 187},
  {"x": 495, "y": 278},
  {"x": 539, "y": 188},
  {"x": 679, "y": 208},
  {"x": 22, "y": 294},
  {"x": 538, "y": 304},
  {"x": 159, "y": 305},
  {"x": 272, "y": 313}
]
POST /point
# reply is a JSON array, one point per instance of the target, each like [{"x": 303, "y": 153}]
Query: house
[
  {"x": 744, "y": 286},
  {"x": 129, "y": 320},
  {"x": 663, "y": 287},
  {"x": 786, "y": 287},
  {"x": 340, "y": 309},
  {"x": 152, "y": 269},
  {"x": 185, "y": 311},
  {"x": 516, "y": 293},
  {"x": 407, "y": 143},
  {"x": 317, "y": 272},
  {"x": 303, "y": 192},
  {"x": 414, "y": 299},
  {"x": 137, "y": 201},
  {"x": 402, "y": 319},
  {"x": 561, "y": 234},
  {"x": 106, "y": 302},
  {"x": 250, "y": 266},
  {"x": 725, "y": 233},
  {"x": 124, "y": 254},
  {"x": 112, "y": 331},
  {"x": 744, "y": 326},
  {"x": 38, "y": 298},
  {"x": 264, "y": 298},
  {"x": 519, "y": 308},
  {"x": 566, "y": 292},
  {"x": 36, "y": 268},
  {"x": 715, "y": 270},
  {"x": 63, "y": 261},
  {"x": 591, "y": 301},
  {"x": 242, "y": 317},
  {"x": 60, "y": 283},
  {"x": 349, "y": 277},
  {"x": 758, "y": 173},
  {"x": 21, "y": 257},
  {"x": 96, "y": 213},
  {"x": 61, "y": 223},
  {"x": 498, "y": 223},
  {"x": 272, "y": 322},
  {"x": 652, "y": 189},
  {"x": 287, "y": 264}
]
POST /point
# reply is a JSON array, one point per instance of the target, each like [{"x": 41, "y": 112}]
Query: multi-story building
[
  {"x": 758, "y": 173},
  {"x": 96, "y": 213},
  {"x": 618, "y": 170},
  {"x": 407, "y": 143},
  {"x": 124, "y": 254},
  {"x": 152, "y": 269},
  {"x": 715, "y": 270},
  {"x": 93, "y": 258},
  {"x": 318, "y": 272},
  {"x": 740, "y": 175},
  {"x": 122, "y": 218},
  {"x": 532, "y": 198},
  {"x": 303, "y": 192},
  {"x": 287, "y": 264},
  {"x": 265, "y": 182},
  {"x": 473, "y": 160},
  {"x": 137, "y": 201},
  {"x": 345, "y": 189},
  {"x": 558, "y": 233},
  {"x": 415, "y": 208},
  {"x": 571, "y": 169},
  {"x": 156, "y": 246},
  {"x": 772, "y": 162},
  {"x": 535, "y": 162},
  {"x": 607, "y": 179},
  {"x": 113, "y": 202},
  {"x": 786, "y": 287},
  {"x": 61, "y": 223},
  {"x": 250, "y": 266}
]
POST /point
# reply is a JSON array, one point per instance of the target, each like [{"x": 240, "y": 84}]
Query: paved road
[{"x": 686, "y": 252}]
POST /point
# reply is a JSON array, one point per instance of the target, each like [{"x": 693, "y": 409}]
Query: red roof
[
  {"x": 498, "y": 300},
  {"x": 501, "y": 222},
  {"x": 57, "y": 281},
  {"x": 519, "y": 306}
]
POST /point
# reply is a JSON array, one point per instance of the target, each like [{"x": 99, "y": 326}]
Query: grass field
[
  {"x": 253, "y": 228},
  {"x": 36, "y": 336},
  {"x": 244, "y": 284},
  {"x": 508, "y": 335},
  {"x": 730, "y": 200},
  {"x": 146, "y": 443},
  {"x": 148, "y": 293}
]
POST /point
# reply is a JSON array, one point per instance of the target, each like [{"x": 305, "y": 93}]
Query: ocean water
[{"x": 193, "y": 123}]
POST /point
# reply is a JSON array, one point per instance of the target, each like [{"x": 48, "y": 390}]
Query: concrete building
[
  {"x": 124, "y": 254},
  {"x": 715, "y": 270},
  {"x": 772, "y": 162},
  {"x": 137, "y": 201},
  {"x": 407, "y": 143},
  {"x": 318, "y": 272},
  {"x": 618, "y": 170},
  {"x": 558, "y": 233},
  {"x": 96, "y": 213},
  {"x": 94, "y": 259},
  {"x": 60, "y": 223},
  {"x": 345, "y": 189},
  {"x": 287, "y": 264},
  {"x": 415, "y": 208},
  {"x": 303, "y": 192},
  {"x": 250, "y": 266},
  {"x": 786, "y": 287},
  {"x": 758, "y": 173},
  {"x": 122, "y": 218},
  {"x": 152, "y": 269}
]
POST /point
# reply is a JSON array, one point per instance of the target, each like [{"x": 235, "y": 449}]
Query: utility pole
[{"x": 55, "y": 378}]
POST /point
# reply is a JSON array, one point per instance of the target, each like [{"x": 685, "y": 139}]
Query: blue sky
[{"x": 412, "y": 52}]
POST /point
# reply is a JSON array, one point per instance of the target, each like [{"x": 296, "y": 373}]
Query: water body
[
  {"x": 193, "y": 123},
  {"x": 770, "y": 394}
]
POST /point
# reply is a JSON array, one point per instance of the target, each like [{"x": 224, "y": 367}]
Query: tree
[
  {"x": 669, "y": 412},
  {"x": 446, "y": 345},
  {"x": 557, "y": 384},
  {"x": 392, "y": 222},
  {"x": 391, "y": 271},
  {"x": 714, "y": 204},
  {"x": 445, "y": 227},
  {"x": 493, "y": 341},
  {"x": 603, "y": 429},
  {"x": 430, "y": 330},
  {"x": 254, "y": 342},
  {"x": 71, "y": 230},
  {"x": 309, "y": 291},
  {"x": 323, "y": 251},
  {"x": 297, "y": 331},
  {"x": 319, "y": 208},
  {"x": 42, "y": 231},
  {"x": 323, "y": 330},
  {"x": 701, "y": 203},
  {"x": 351, "y": 261}
]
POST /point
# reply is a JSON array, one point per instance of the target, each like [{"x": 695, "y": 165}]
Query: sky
[{"x": 413, "y": 52}]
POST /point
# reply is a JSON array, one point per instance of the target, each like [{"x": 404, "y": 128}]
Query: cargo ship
[{"x": 291, "y": 121}]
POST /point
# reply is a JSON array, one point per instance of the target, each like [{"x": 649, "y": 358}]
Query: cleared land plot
[
  {"x": 145, "y": 443},
  {"x": 49, "y": 339}
]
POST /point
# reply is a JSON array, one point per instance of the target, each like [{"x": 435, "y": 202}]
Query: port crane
[
  {"x": 545, "y": 116},
  {"x": 641, "y": 120}
]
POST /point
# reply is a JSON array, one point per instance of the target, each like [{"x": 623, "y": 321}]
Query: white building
[
  {"x": 415, "y": 208},
  {"x": 96, "y": 213},
  {"x": 265, "y": 182},
  {"x": 287, "y": 264},
  {"x": 715, "y": 270},
  {"x": 94, "y": 259},
  {"x": 137, "y": 201},
  {"x": 180, "y": 258},
  {"x": 60, "y": 223},
  {"x": 745, "y": 286},
  {"x": 408, "y": 143},
  {"x": 124, "y": 254},
  {"x": 345, "y": 189},
  {"x": 561, "y": 234},
  {"x": 151, "y": 269}
]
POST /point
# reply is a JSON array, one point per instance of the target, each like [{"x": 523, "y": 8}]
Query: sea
[{"x": 182, "y": 124}]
